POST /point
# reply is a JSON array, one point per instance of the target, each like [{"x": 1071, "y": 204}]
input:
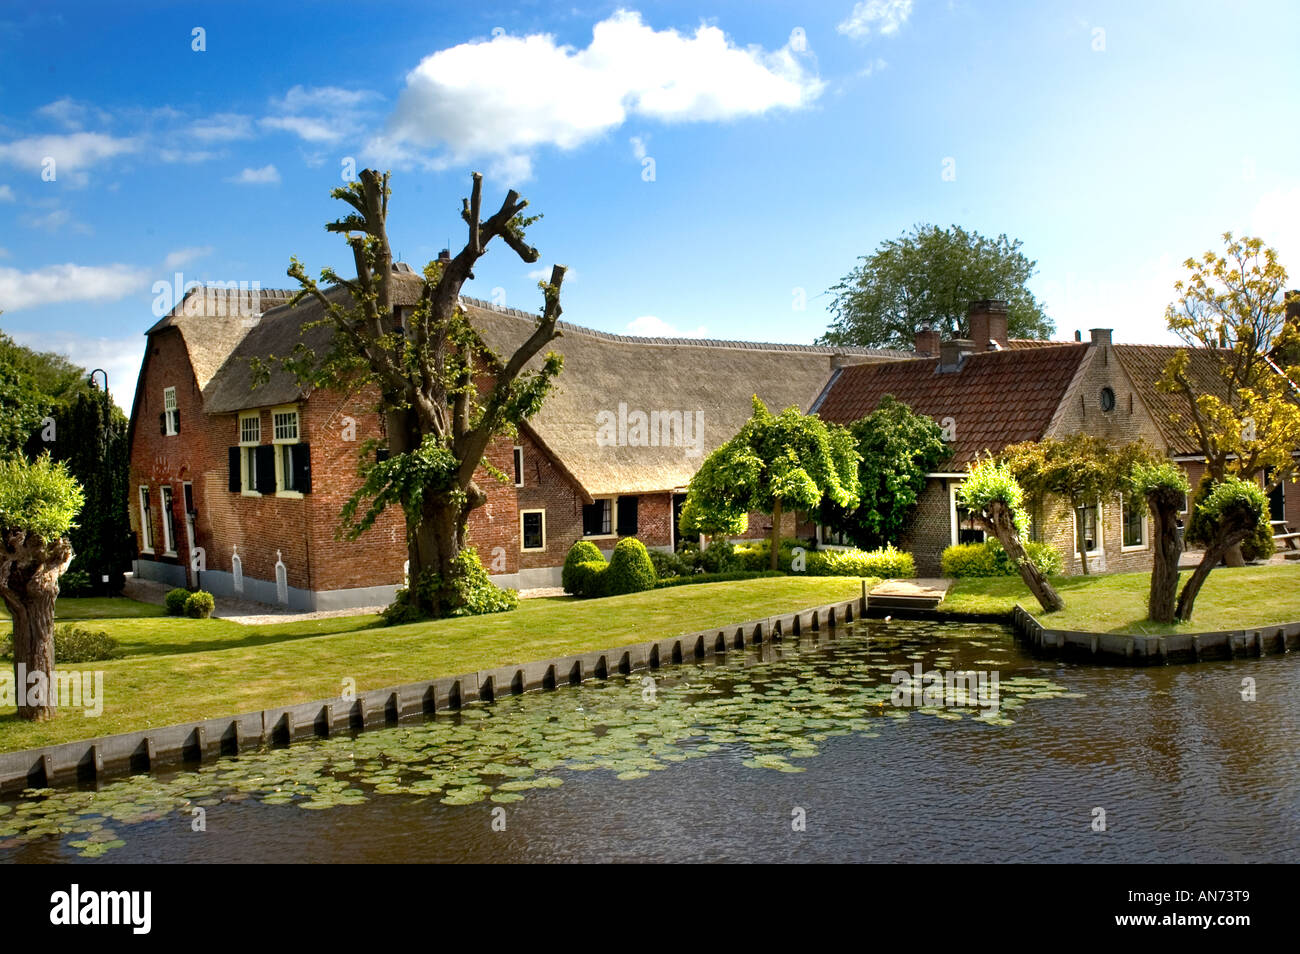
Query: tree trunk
[
  {"x": 776, "y": 535},
  {"x": 29, "y": 582},
  {"x": 1167, "y": 550},
  {"x": 1233, "y": 556},
  {"x": 1231, "y": 536},
  {"x": 999, "y": 522}
]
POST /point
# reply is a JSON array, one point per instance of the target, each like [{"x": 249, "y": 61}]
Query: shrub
[
  {"x": 588, "y": 579},
  {"x": 989, "y": 559},
  {"x": 668, "y": 565},
  {"x": 75, "y": 583},
  {"x": 475, "y": 594},
  {"x": 630, "y": 569},
  {"x": 720, "y": 557},
  {"x": 175, "y": 601},
  {"x": 888, "y": 561},
  {"x": 199, "y": 604},
  {"x": 757, "y": 555},
  {"x": 584, "y": 551},
  {"x": 74, "y": 645}
]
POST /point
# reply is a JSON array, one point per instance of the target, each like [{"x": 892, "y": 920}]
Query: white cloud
[
  {"x": 121, "y": 358},
  {"x": 639, "y": 146},
  {"x": 503, "y": 98},
  {"x": 51, "y": 221},
  {"x": 652, "y": 327},
  {"x": 54, "y": 284},
  {"x": 885, "y": 17},
  {"x": 183, "y": 256},
  {"x": 222, "y": 127},
  {"x": 6, "y": 194},
  {"x": 73, "y": 153},
  {"x": 70, "y": 113},
  {"x": 267, "y": 175},
  {"x": 1276, "y": 220},
  {"x": 321, "y": 113}
]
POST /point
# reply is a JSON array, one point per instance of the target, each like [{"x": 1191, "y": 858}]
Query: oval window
[{"x": 1107, "y": 399}]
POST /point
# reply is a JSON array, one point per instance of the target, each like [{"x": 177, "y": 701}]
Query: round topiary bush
[
  {"x": 175, "y": 601},
  {"x": 630, "y": 569},
  {"x": 588, "y": 579},
  {"x": 584, "y": 551},
  {"x": 200, "y": 604}
]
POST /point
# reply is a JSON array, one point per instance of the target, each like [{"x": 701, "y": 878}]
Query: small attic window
[{"x": 1107, "y": 399}]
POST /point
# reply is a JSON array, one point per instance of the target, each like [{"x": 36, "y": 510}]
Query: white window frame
[
  {"x": 1146, "y": 530},
  {"x": 166, "y": 498},
  {"x": 1101, "y": 532},
  {"x": 527, "y": 549},
  {"x": 952, "y": 512},
  {"x": 517, "y": 459},
  {"x": 248, "y": 454},
  {"x": 281, "y": 445},
  {"x": 146, "y": 524},
  {"x": 612, "y": 503},
  {"x": 171, "y": 412}
]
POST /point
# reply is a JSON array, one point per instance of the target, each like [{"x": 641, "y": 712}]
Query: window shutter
[
  {"x": 232, "y": 457},
  {"x": 300, "y": 467},
  {"x": 162, "y": 423},
  {"x": 176, "y": 421},
  {"x": 265, "y": 462},
  {"x": 627, "y": 510}
]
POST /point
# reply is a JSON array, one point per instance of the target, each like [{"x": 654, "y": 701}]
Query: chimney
[
  {"x": 1100, "y": 337},
  {"x": 927, "y": 341},
  {"x": 445, "y": 255},
  {"x": 953, "y": 352},
  {"x": 988, "y": 324}
]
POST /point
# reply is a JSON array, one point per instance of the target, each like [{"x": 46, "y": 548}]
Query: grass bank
[
  {"x": 177, "y": 670},
  {"x": 1232, "y": 598}
]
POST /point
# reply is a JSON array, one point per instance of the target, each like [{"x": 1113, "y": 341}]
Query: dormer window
[{"x": 169, "y": 421}]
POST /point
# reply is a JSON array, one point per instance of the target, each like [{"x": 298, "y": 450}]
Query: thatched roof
[
  {"x": 712, "y": 380},
  {"x": 212, "y": 321}
]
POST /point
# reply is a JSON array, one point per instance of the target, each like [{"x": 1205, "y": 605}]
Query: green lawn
[
  {"x": 1232, "y": 598},
  {"x": 183, "y": 669}
]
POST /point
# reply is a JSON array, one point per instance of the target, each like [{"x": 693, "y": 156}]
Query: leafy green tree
[
  {"x": 930, "y": 276},
  {"x": 897, "y": 448},
  {"x": 1234, "y": 507},
  {"x": 1080, "y": 468},
  {"x": 778, "y": 462},
  {"x": 38, "y": 503},
  {"x": 428, "y": 366},
  {"x": 995, "y": 500},
  {"x": 1232, "y": 308},
  {"x": 89, "y": 433},
  {"x": 1162, "y": 487}
]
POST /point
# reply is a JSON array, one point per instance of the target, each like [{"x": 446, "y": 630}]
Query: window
[
  {"x": 1107, "y": 399},
  {"x": 171, "y": 416},
  {"x": 146, "y": 522},
  {"x": 519, "y": 466},
  {"x": 292, "y": 457},
  {"x": 627, "y": 516},
  {"x": 532, "y": 529},
  {"x": 250, "y": 439},
  {"x": 1091, "y": 515},
  {"x": 596, "y": 519},
  {"x": 965, "y": 528},
  {"x": 832, "y": 538},
  {"x": 168, "y": 521},
  {"x": 1135, "y": 526}
]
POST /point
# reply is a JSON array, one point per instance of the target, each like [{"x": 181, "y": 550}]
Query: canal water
[{"x": 803, "y": 751}]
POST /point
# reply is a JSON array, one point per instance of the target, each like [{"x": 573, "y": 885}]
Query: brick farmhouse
[{"x": 238, "y": 483}]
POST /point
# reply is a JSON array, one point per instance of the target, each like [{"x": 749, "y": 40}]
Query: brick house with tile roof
[
  {"x": 238, "y": 484},
  {"x": 992, "y": 391}
]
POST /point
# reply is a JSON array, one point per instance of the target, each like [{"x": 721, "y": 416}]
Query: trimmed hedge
[
  {"x": 74, "y": 645},
  {"x": 716, "y": 577},
  {"x": 175, "y": 601},
  {"x": 584, "y": 551},
  {"x": 587, "y": 579},
  {"x": 200, "y": 604},
  {"x": 886, "y": 562},
  {"x": 989, "y": 559},
  {"x": 630, "y": 569}
]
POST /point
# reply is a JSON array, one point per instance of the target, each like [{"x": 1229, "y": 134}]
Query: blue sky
[{"x": 1114, "y": 139}]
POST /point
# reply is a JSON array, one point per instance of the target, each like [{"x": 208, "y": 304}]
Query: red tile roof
[
  {"x": 1146, "y": 363},
  {"x": 995, "y": 399}
]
